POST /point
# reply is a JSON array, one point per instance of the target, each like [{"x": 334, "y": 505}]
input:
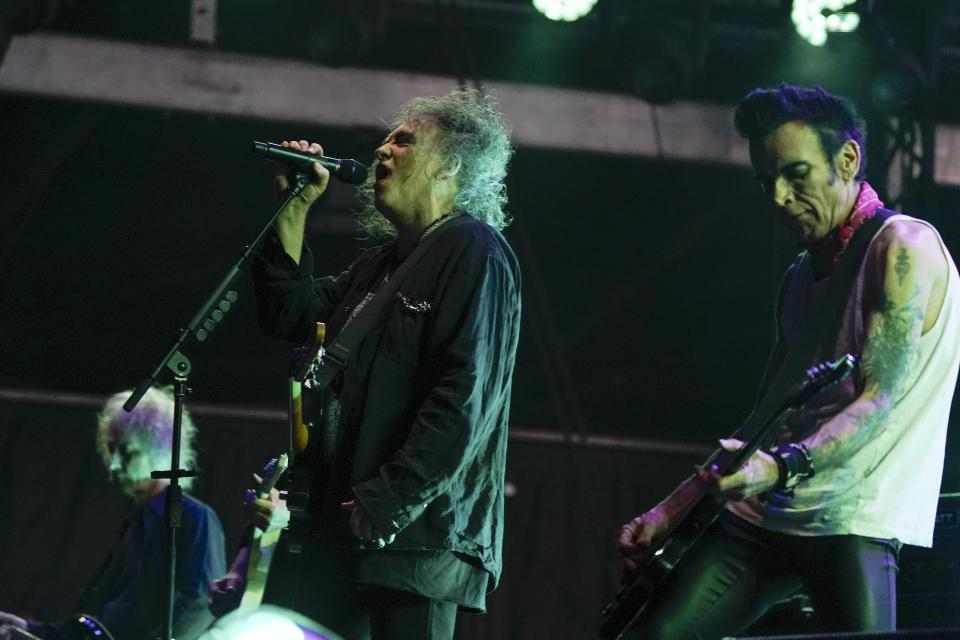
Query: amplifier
[{"x": 928, "y": 587}]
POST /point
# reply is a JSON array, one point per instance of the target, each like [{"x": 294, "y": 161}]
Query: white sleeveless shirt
[{"x": 890, "y": 487}]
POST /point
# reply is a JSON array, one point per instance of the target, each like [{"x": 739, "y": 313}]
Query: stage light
[
  {"x": 814, "y": 18},
  {"x": 564, "y": 10},
  {"x": 267, "y": 622}
]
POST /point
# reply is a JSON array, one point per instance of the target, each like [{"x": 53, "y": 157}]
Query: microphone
[{"x": 349, "y": 171}]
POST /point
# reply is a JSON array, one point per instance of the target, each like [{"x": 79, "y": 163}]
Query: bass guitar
[{"x": 632, "y": 600}]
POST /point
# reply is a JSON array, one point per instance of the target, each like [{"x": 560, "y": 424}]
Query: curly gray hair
[
  {"x": 472, "y": 129},
  {"x": 150, "y": 424}
]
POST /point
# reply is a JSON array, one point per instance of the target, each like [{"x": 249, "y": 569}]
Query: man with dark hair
[
  {"x": 407, "y": 506},
  {"x": 834, "y": 119},
  {"x": 856, "y": 472},
  {"x": 127, "y": 593}
]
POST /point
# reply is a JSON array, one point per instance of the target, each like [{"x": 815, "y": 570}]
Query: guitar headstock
[
  {"x": 823, "y": 375},
  {"x": 271, "y": 474}
]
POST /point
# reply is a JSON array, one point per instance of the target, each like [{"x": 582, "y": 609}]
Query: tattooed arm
[{"x": 911, "y": 280}]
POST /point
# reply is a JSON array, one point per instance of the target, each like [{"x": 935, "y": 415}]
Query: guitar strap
[
  {"x": 337, "y": 356},
  {"x": 817, "y": 320}
]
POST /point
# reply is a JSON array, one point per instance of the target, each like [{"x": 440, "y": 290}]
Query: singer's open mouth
[{"x": 382, "y": 173}]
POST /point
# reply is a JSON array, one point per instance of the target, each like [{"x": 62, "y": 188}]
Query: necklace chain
[
  {"x": 430, "y": 228},
  {"x": 433, "y": 227}
]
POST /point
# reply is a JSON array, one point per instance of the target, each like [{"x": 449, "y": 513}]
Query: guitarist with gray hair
[
  {"x": 856, "y": 471},
  {"x": 126, "y": 595}
]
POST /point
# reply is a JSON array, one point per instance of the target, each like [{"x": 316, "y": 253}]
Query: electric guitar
[
  {"x": 632, "y": 600},
  {"x": 285, "y": 571},
  {"x": 264, "y": 543},
  {"x": 305, "y": 361}
]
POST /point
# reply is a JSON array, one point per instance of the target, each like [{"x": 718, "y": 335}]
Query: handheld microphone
[{"x": 349, "y": 171}]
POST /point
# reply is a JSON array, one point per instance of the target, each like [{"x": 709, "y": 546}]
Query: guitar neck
[
  {"x": 728, "y": 462},
  {"x": 300, "y": 370},
  {"x": 632, "y": 600},
  {"x": 299, "y": 434}
]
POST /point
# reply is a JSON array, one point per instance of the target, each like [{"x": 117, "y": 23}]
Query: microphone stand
[{"x": 203, "y": 323}]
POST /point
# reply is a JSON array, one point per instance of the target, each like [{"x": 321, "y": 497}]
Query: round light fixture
[
  {"x": 814, "y": 18},
  {"x": 564, "y": 10}
]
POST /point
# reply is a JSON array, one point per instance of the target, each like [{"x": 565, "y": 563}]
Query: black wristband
[
  {"x": 782, "y": 472},
  {"x": 794, "y": 464}
]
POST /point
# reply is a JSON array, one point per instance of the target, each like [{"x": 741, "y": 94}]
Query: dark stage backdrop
[
  {"x": 648, "y": 289},
  {"x": 647, "y": 285}
]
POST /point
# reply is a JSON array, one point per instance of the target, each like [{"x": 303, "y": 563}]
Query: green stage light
[
  {"x": 814, "y": 18},
  {"x": 565, "y": 10}
]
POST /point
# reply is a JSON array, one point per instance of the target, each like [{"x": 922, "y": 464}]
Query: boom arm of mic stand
[{"x": 174, "y": 360}]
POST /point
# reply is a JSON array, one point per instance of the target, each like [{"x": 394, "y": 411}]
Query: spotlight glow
[
  {"x": 262, "y": 627},
  {"x": 564, "y": 10},
  {"x": 814, "y": 18}
]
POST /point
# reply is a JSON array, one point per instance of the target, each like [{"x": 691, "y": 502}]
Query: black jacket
[{"x": 425, "y": 399}]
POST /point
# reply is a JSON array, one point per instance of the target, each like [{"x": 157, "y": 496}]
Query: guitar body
[
  {"x": 629, "y": 605},
  {"x": 632, "y": 601}
]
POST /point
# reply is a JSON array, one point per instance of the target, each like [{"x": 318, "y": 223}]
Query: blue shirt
[{"x": 127, "y": 595}]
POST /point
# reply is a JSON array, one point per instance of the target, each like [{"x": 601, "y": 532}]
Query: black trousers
[
  {"x": 324, "y": 589},
  {"x": 738, "y": 571}
]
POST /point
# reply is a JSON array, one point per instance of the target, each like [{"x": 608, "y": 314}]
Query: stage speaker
[{"x": 928, "y": 587}]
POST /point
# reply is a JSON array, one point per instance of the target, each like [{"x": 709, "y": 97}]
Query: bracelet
[
  {"x": 794, "y": 464},
  {"x": 783, "y": 472}
]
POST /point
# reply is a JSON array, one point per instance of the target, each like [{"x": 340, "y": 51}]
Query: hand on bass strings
[
  {"x": 319, "y": 178},
  {"x": 760, "y": 473},
  {"x": 639, "y": 535},
  {"x": 362, "y": 526}
]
